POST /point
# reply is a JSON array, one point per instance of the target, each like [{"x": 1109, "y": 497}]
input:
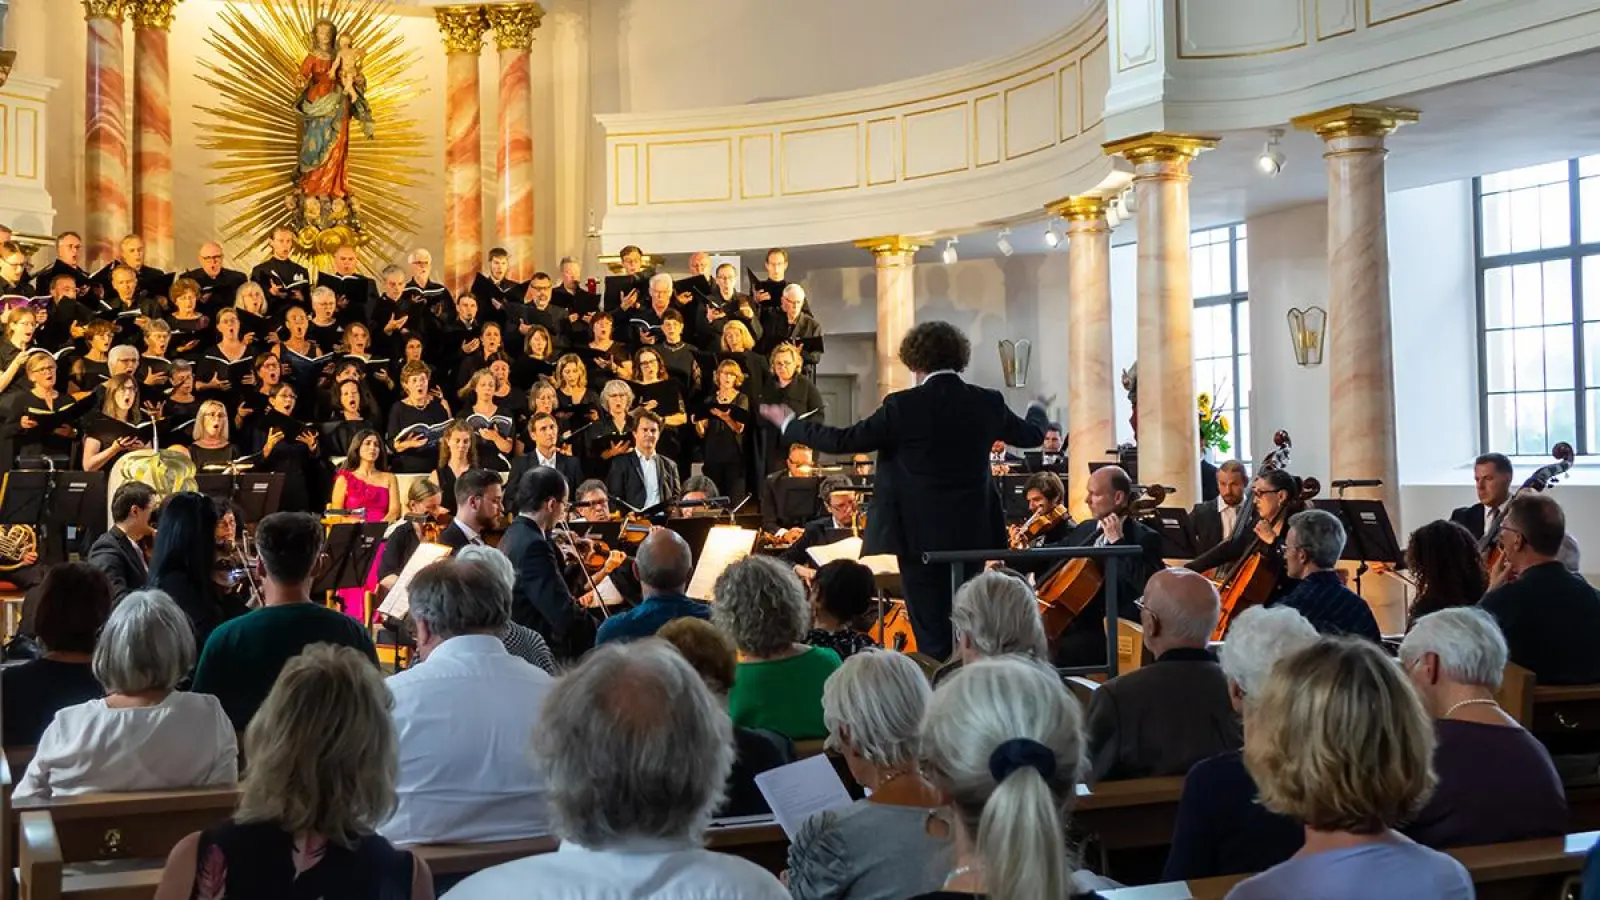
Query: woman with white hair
[
  {"x": 995, "y": 614},
  {"x": 519, "y": 640},
  {"x": 761, "y": 603},
  {"x": 1496, "y": 781},
  {"x": 1222, "y": 828},
  {"x": 1003, "y": 742},
  {"x": 882, "y": 847},
  {"x": 143, "y": 735}
]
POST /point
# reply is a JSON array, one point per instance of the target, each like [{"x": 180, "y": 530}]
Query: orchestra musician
[
  {"x": 479, "y": 506},
  {"x": 1491, "y": 475},
  {"x": 1044, "y": 492},
  {"x": 644, "y": 478},
  {"x": 419, "y": 525},
  {"x": 542, "y": 600},
  {"x": 594, "y": 502},
  {"x": 1277, "y": 497},
  {"x": 1218, "y": 520},
  {"x": 840, "y": 499},
  {"x": 784, "y": 524}
]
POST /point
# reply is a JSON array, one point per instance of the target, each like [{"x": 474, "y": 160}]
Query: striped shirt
[{"x": 1331, "y": 607}]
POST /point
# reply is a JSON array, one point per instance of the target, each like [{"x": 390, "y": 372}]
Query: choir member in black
[
  {"x": 538, "y": 358},
  {"x": 289, "y": 446},
  {"x": 221, "y": 369},
  {"x": 539, "y": 311},
  {"x": 628, "y": 301},
  {"x": 187, "y": 323},
  {"x": 725, "y": 305},
  {"x": 122, "y": 306},
  {"x": 301, "y": 357},
  {"x": 490, "y": 420},
  {"x": 254, "y": 319},
  {"x": 24, "y": 436},
  {"x": 414, "y": 454},
  {"x": 358, "y": 347},
  {"x": 795, "y": 326},
  {"x": 724, "y": 429},
  {"x": 398, "y": 313},
  {"x": 460, "y": 337},
  {"x": 90, "y": 370},
  {"x": 280, "y": 277},
  {"x": 68, "y": 315},
  {"x": 689, "y": 294},
  {"x": 765, "y": 292},
  {"x": 324, "y": 329},
  {"x": 211, "y": 446},
  {"x": 69, "y": 254},
  {"x": 1277, "y": 497},
  {"x": 644, "y": 325},
  {"x": 576, "y": 404},
  {"x": 612, "y": 436},
  {"x": 353, "y": 292},
  {"x": 149, "y": 282},
  {"x": 663, "y": 396},
  {"x": 413, "y": 351},
  {"x": 20, "y": 324},
  {"x": 155, "y": 369},
  {"x": 215, "y": 283},
  {"x": 505, "y": 393},
  {"x": 180, "y": 403},
  {"x": 679, "y": 356},
  {"x": 579, "y": 303},
  {"x": 739, "y": 346},
  {"x": 351, "y": 415},
  {"x": 105, "y": 442},
  {"x": 458, "y": 452},
  {"x": 13, "y": 269},
  {"x": 491, "y": 346},
  {"x": 497, "y": 294},
  {"x": 600, "y": 354},
  {"x": 435, "y": 296},
  {"x": 789, "y": 388},
  {"x": 621, "y": 362}
]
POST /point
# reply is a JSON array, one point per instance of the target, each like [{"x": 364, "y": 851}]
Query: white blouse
[{"x": 185, "y": 741}]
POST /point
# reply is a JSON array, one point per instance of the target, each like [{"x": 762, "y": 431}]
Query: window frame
[{"x": 1233, "y": 299}]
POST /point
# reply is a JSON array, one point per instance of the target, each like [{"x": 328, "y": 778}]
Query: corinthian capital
[
  {"x": 103, "y": 9},
  {"x": 462, "y": 28},
  {"x": 514, "y": 24},
  {"x": 151, "y": 13}
]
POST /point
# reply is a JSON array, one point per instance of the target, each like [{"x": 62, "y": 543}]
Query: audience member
[
  {"x": 1310, "y": 552},
  {"x": 755, "y": 750},
  {"x": 1550, "y": 616},
  {"x": 183, "y": 562},
  {"x": 242, "y": 659},
  {"x": 1222, "y": 828},
  {"x": 323, "y": 760},
  {"x": 995, "y": 614},
  {"x": 663, "y": 563},
  {"x": 463, "y": 716},
  {"x": 117, "y": 553},
  {"x": 1496, "y": 782},
  {"x": 1165, "y": 717},
  {"x": 1003, "y": 742},
  {"x": 1446, "y": 567},
  {"x": 74, "y": 600},
  {"x": 878, "y": 848},
  {"x": 841, "y": 594},
  {"x": 630, "y": 813},
  {"x": 519, "y": 641},
  {"x": 779, "y": 687},
  {"x": 1339, "y": 741},
  {"x": 144, "y": 735}
]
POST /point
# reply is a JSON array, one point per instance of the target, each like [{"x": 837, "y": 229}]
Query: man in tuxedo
[
  {"x": 1052, "y": 455},
  {"x": 933, "y": 490},
  {"x": 1110, "y": 497},
  {"x": 1217, "y": 520},
  {"x": 1491, "y": 474},
  {"x": 116, "y": 552},
  {"x": 546, "y": 432},
  {"x": 644, "y": 478},
  {"x": 541, "y": 599},
  {"x": 479, "y": 505}
]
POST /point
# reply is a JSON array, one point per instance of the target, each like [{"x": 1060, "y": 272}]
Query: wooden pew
[
  {"x": 763, "y": 844},
  {"x": 1127, "y": 815}
]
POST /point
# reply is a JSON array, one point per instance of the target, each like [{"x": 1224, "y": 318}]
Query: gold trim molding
[
  {"x": 1087, "y": 208},
  {"x": 1160, "y": 146},
  {"x": 462, "y": 28},
  {"x": 157, "y": 14},
  {"x": 891, "y": 245},
  {"x": 514, "y": 24},
  {"x": 103, "y": 9},
  {"x": 1355, "y": 120}
]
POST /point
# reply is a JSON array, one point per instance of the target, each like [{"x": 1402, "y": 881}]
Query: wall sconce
[
  {"x": 1307, "y": 328},
  {"x": 1014, "y": 359}
]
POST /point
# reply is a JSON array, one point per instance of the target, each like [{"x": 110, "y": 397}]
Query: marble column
[
  {"x": 152, "y": 134},
  {"x": 462, "y": 28},
  {"x": 892, "y": 256},
  {"x": 105, "y": 152},
  {"x": 514, "y": 25},
  {"x": 1360, "y": 346},
  {"x": 1091, "y": 375},
  {"x": 1169, "y": 423}
]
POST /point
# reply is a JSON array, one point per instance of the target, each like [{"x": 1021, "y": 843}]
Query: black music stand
[
  {"x": 24, "y": 500},
  {"x": 1177, "y": 533},
  {"x": 79, "y": 502},
  {"x": 1368, "y": 534},
  {"x": 1014, "y": 497},
  {"x": 351, "y": 548},
  {"x": 694, "y": 531},
  {"x": 256, "y": 493},
  {"x": 797, "y": 499}
]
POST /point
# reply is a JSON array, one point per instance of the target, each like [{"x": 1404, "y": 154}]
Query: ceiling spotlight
[
  {"x": 949, "y": 255},
  {"x": 1271, "y": 160},
  {"x": 1120, "y": 206},
  {"x": 1052, "y": 238},
  {"x": 1004, "y": 243},
  {"x": 1113, "y": 218},
  {"x": 1130, "y": 201}
]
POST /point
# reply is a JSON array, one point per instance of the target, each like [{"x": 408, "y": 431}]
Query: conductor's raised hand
[{"x": 775, "y": 413}]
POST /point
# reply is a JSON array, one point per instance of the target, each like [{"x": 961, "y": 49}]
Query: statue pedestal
[{"x": 25, "y": 204}]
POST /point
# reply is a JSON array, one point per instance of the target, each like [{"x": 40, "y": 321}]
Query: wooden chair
[
  {"x": 1131, "y": 652},
  {"x": 1516, "y": 694},
  {"x": 814, "y": 747}
]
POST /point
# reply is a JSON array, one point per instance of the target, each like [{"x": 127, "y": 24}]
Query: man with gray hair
[
  {"x": 1165, "y": 717},
  {"x": 791, "y": 323},
  {"x": 1310, "y": 552},
  {"x": 463, "y": 716},
  {"x": 631, "y": 814},
  {"x": 664, "y": 563}
]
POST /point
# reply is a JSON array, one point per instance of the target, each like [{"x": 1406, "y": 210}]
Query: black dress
[
  {"x": 219, "y": 457},
  {"x": 725, "y": 448},
  {"x": 419, "y": 460},
  {"x": 261, "y": 860}
]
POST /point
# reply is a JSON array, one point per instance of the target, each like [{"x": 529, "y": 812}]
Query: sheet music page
[
  {"x": 799, "y": 790},
  {"x": 397, "y": 603},
  {"x": 725, "y": 545},
  {"x": 849, "y": 548},
  {"x": 882, "y": 563}
]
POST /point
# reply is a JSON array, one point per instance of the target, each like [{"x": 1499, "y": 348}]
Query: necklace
[
  {"x": 1475, "y": 700},
  {"x": 958, "y": 871}
]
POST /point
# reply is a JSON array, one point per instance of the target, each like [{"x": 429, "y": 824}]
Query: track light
[
  {"x": 1004, "y": 243},
  {"x": 950, "y": 256},
  {"x": 1052, "y": 238},
  {"x": 1271, "y": 160},
  {"x": 1113, "y": 218},
  {"x": 1129, "y": 198},
  {"x": 1120, "y": 207}
]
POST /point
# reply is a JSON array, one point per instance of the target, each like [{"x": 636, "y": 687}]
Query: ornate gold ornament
[
  {"x": 256, "y": 127},
  {"x": 156, "y": 14},
  {"x": 462, "y": 28},
  {"x": 514, "y": 24},
  {"x": 103, "y": 9}
]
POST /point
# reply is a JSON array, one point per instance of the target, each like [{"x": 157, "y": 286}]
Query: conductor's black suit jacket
[{"x": 933, "y": 490}]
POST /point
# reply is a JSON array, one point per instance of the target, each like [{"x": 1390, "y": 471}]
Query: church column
[
  {"x": 105, "y": 152},
  {"x": 462, "y": 28},
  {"x": 1168, "y": 419},
  {"x": 1360, "y": 348},
  {"x": 514, "y": 25},
  {"x": 1091, "y": 375},
  {"x": 892, "y": 256},
  {"x": 152, "y": 136}
]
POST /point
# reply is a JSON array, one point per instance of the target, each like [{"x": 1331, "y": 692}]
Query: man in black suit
[
  {"x": 629, "y": 482},
  {"x": 933, "y": 490},
  {"x": 1083, "y": 643},
  {"x": 1550, "y": 616},
  {"x": 116, "y": 552},
  {"x": 541, "y": 599},
  {"x": 1491, "y": 474},
  {"x": 1217, "y": 520},
  {"x": 479, "y": 505},
  {"x": 546, "y": 432},
  {"x": 840, "y": 500}
]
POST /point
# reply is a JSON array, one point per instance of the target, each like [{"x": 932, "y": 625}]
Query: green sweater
[
  {"x": 783, "y": 695},
  {"x": 243, "y": 657}
]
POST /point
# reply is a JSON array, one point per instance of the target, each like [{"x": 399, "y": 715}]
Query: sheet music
[
  {"x": 800, "y": 790},
  {"x": 725, "y": 545},
  {"x": 397, "y": 603},
  {"x": 850, "y": 548}
]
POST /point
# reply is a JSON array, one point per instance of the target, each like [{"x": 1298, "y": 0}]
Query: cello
[
  {"x": 1069, "y": 587},
  {"x": 1545, "y": 476},
  {"x": 1252, "y": 581}
]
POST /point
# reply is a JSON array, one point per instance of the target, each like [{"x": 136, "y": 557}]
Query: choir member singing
[
  {"x": 280, "y": 277},
  {"x": 114, "y": 431},
  {"x": 415, "y": 422},
  {"x": 723, "y": 429},
  {"x": 215, "y": 284}
]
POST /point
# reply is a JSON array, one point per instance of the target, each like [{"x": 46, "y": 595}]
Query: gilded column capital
[
  {"x": 891, "y": 245},
  {"x": 1355, "y": 120},
  {"x": 462, "y": 28},
  {"x": 1087, "y": 208},
  {"x": 156, "y": 14},
  {"x": 514, "y": 24},
  {"x": 1160, "y": 147},
  {"x": 103, "y": 9}
]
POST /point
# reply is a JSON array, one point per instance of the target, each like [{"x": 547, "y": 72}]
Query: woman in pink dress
[{"x": 365, "y": 485}]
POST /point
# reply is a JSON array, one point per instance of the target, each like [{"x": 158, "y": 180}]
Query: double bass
[
  {"x": 1071, "y": 585},
  {"x": 1252, "y": 581},
  {"x": 1543, "y": 477}
]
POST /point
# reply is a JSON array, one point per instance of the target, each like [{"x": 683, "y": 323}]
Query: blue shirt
[
  {"x": 647, "y": 618},
  {"x": 1331, "y": 607},
  {"x": 1394, "y": 870}
]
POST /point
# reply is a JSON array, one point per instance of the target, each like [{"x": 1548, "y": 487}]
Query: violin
[
  {"x": 429, "y": 526},
  {"x": 1545, "y": 476},
  {"x": 1037, "y": 526},
  {"x": 1069, "y": 587}
]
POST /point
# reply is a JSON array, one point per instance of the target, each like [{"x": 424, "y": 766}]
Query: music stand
[
  {"x": 694, "y": 531},
  {"x": 1014, "y": 497},
  {"x": 257, "y": 494},
  {"x": 797, "y": 499},
  {"x": 1369, "y": 535},
  {"x": 79, "y": 501},
  {"x": 24, "y": 499},
  {"x": 351, "y": 549},
  {"x": 1177, "y": 533}
]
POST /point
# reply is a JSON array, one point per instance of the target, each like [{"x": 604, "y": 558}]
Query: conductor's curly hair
[{"x": 934, "y": 347}]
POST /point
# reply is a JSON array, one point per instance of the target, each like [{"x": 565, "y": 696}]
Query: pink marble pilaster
[
  {"x": 152, "y": 135},
  {"x": 462, "y": 28},
  {"x": 1091, "y": 374},
  {"x": 105, "y": 154},
  {"x": 893, "y": 258},
  {"x": 514, "y": 25}
]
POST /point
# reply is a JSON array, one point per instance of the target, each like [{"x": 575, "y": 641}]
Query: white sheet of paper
[
  {"x": 397, "y": 603},
  {"x": 848, "y": 548},
  {"x": 799, "y": 790},
  {"x": 725, "y": 545}
]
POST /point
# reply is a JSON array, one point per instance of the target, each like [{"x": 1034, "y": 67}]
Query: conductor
[{"x": 933, "y": 490}]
